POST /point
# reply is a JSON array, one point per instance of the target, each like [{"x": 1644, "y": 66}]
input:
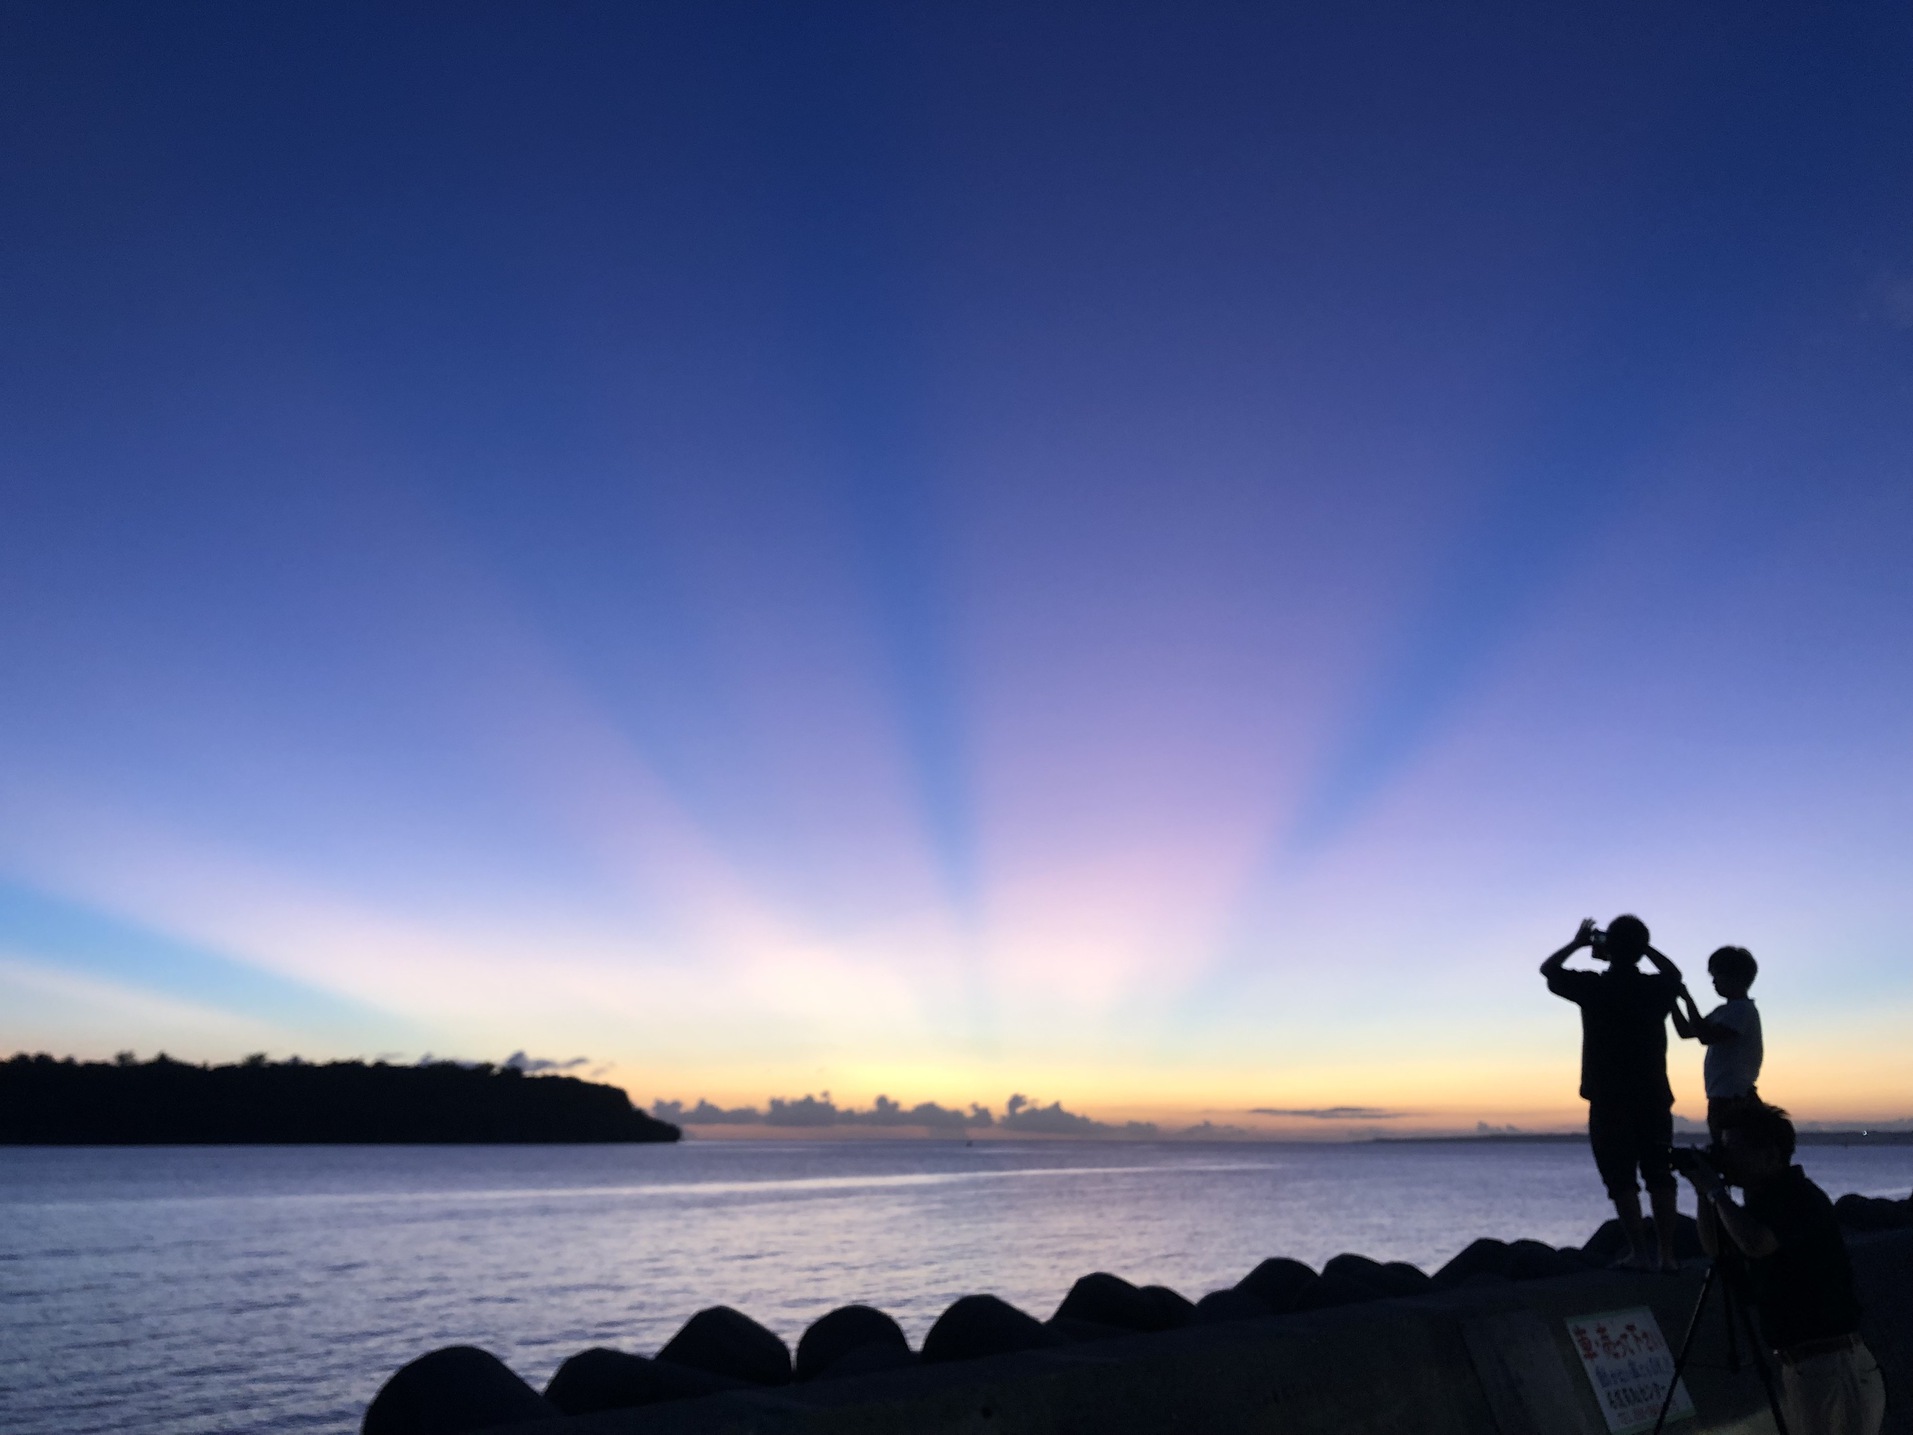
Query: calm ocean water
[{"x": 190, "y": 1290}]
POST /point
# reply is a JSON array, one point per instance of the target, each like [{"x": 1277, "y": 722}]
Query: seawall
[
  {"x": 1493, "y": 1358},
  {"x": 1481, "y": 1355}
]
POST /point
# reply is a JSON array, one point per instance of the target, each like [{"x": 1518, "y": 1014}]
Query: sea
[{"x": 241, "y": 1290}]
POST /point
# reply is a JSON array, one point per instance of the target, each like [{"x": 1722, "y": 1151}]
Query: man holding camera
[
  {"x": 1798, "y": 1274},
  {"x": 1624, "y": 1015}
]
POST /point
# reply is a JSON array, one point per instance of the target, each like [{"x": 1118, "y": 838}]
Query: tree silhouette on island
[{"x": 162, "y": 1102}]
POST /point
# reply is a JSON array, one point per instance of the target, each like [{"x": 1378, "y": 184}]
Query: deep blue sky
[{"x": 1170, "y": 552}]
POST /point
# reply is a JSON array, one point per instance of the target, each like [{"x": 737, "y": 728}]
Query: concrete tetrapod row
[
  {"x": 461, "y": 1388},
  {"x": 1874, "y": 1213}
]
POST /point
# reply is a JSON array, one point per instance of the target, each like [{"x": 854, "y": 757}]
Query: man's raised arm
[
  {"x": 1664, "y": 965},
  {"x": 1551, "y": 968}
]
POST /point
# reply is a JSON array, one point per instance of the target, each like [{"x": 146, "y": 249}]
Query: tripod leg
[
  {"x": 1728, "y": 1307},
  {"x": 1687, "y": 1346}
]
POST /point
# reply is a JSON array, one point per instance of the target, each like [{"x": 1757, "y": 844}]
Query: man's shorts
[{"x": 1631, "y": 1135}]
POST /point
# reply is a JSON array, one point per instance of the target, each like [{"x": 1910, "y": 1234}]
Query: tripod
[{"x": 1734, "y": 1307}]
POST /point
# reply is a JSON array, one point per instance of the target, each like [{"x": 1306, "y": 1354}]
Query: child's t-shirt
[{"x": 1732, "y": 1067}]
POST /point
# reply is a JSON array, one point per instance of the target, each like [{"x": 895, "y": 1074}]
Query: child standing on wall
[{"x": 1730, "y": 1032}]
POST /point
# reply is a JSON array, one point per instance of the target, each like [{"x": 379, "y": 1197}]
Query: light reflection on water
[
  {"x": 681, "y": 1189},
  {"x": 183, "y": 1290}
]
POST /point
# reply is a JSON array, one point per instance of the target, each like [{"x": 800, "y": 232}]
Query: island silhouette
[{"x": 162, "y": 1102}]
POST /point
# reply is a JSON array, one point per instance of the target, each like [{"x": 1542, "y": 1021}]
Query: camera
[
  {"x": 1597, "y": 938},
  {"x": 1688, "y": 1160}
]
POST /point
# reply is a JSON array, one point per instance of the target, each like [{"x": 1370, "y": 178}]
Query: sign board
[{"x": 1629, "y": 1366}]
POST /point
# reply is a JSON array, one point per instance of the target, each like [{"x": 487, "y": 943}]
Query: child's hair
[
  {"x": 1627, "y": 938},
  {"x": 1761, "y": 1124},
  {"x": 1736, "y": 964}
]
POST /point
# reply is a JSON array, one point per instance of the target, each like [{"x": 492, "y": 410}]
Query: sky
[{"x": 1149, "y": 556}]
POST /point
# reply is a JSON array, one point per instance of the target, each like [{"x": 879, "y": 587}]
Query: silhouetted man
[
  {"x": 1624, "y": 1074},
  {"x": 1797, "y": 1268}
]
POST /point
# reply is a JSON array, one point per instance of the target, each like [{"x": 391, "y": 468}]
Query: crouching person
[{"x": 1797, "y": 1269}]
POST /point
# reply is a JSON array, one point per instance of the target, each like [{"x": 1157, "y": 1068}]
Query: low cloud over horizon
[
  {"x": 1331, "y": 1113},
  {"x": 1020, "y": 1114}
]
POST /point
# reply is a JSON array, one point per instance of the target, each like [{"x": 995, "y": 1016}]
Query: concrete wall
[{"x": 1490, "y": 1359}]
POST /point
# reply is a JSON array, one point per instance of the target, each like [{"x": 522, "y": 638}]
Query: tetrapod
[{"x": 1735, "y": 1309}]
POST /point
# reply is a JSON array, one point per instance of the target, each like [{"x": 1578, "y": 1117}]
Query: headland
[{"x": 45, "y": 1102}]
